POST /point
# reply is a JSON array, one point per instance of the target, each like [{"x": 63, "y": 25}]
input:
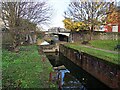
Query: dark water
[{"x": 73, "y": 77}]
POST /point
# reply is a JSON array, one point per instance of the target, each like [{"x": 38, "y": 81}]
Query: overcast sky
[{"x": 59, "y": 6}]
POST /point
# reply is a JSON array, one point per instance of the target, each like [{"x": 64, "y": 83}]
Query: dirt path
[{"x": 114, "y": 52}]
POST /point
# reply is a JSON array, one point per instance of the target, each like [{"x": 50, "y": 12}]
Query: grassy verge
[
  {"x": 98, "y": 53},
  {"x": 104, "y": 44},
  {"x": 25, "y": 69}
]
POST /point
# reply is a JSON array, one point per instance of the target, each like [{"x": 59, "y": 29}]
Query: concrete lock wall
[{"x": 106, "y": 72}]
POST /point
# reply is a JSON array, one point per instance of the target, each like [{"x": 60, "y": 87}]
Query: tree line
[
  {"x": 86, "y": 15},
  {"x": 22, "y": 17}
]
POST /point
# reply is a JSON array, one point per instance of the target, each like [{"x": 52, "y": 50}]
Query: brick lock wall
[{"x": 106, "y": 72}]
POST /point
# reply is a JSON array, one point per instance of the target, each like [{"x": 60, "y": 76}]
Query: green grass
[
  {"x": 25, "y": 69},
  {"x": 98, "y": 53},
  {"x": 104, "y": 44}
]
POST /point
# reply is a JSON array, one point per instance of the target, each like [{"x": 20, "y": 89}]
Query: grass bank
[
  {"x": 104, "y": 44},
  {"x": 111, "y": 57},
  {"x": 25, "y": 69}
]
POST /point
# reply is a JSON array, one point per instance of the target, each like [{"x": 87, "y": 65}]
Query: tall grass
[{"x": 25, "y": 69}]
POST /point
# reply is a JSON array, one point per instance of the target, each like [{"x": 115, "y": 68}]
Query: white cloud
[{"x": 59, "y": 7}]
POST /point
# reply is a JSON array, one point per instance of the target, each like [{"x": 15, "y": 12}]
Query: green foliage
[
  {"x": 40, "y": 36},
  {"x": 25, "y": 69}
]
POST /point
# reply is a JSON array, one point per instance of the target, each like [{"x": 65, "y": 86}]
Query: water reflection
[
  {"x": 64, "y": 77},
  {"x": 70, "y": 82},
  {"x": 63, "y": 73},
  {"x": 71, "y": 76},
  {"x": 66, "y": 80}
]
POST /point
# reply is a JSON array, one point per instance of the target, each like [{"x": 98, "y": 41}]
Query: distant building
[
  {"x": 109, "y": 28},
  {"x": 56, "y": 29},
  {"x": 113, "y": 25}
]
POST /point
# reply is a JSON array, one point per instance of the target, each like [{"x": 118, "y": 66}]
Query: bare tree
[
  {"x": 36, "y": 12},
  {"x": 19, "y": 16},
  {"x": 89, "y": 12}
]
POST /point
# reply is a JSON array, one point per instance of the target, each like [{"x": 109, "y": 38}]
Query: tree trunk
[
  {"x": 14, "y": 37},
  {"x": 91, "y": 33}
]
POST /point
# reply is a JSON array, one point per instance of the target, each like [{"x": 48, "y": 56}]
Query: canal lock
[
  {"x": 62, "y": 75},
  {"x": 70, "y": 76}
]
